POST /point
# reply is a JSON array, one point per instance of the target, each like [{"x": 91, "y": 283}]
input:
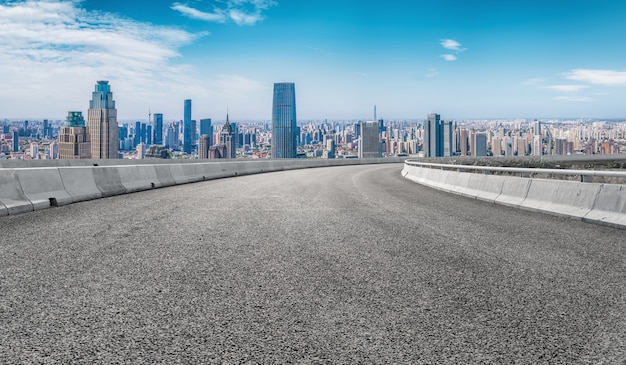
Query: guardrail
[
  {"x": 588, "y": 201},
  {"x": 585, "y": 175}
]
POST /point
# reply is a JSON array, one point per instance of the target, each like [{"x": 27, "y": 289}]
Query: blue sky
[{"x": 462, "y": 59}]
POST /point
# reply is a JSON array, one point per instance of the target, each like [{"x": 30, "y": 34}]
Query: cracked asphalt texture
[{"x": 329, "y": 265}]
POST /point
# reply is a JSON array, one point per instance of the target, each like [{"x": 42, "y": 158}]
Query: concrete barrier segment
[
  {"x": 108, "y": 180},
  {"x": 80, "y": 183},
  {"x": 487, "y": 187},
  {"x": 609, "y": 207},
  {"x": 164, "y": 175},
  {"x": 559, "y": 197},
  {"x": 43, "y": 187},
  {"x": 11, "y": 193},
  {"x": 138, "y": 177},
  {"x": 514, "y": 191}
]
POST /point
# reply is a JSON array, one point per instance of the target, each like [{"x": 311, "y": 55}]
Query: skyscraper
[
  {"x": 206, "y": 129},
  {"x": 228, "y": 138},
  {"x": 479, "y": 144},
  {"x": 74, "y": 140},
  {"x": 102, "y": 122},
  {"x": 158, "y": 129},
  {"x": 369, "y": 140},
  {"x": 187, "y": 134},
  {"x": 284, "y": 143},
  {"x": 437, "y": 137},
  {"x": 16, "y": 141}
]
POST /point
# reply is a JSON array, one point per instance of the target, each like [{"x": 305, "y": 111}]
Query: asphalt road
[{"x": 331, "y": 265}]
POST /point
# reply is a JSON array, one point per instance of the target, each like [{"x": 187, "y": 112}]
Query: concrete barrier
[
  {"x": 43, "y": 187},
  {"x": 487, "y": 187},
  {"x": 598, "y": 203},
  {"x": 609, "y": 207},
  {"x": 164, "y": 175},
  {"x": 514, "y": 191},
  {"x": 108, "y": 180},
  {"x": 559, "y": 197},
  {"x": 138, "y": 177},
  {"x": 11, "y": 194},
  {"x": 80, "y": 183}
]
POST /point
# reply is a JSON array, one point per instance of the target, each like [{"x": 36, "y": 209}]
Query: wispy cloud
[
  {"x": 599, "y": 77},
  {"x": 452, "y": 45},
  {"x": 567, "y": 88},
  {"x": 583, "y": 99},
  {"x": 218, "y": 16},
  {"x": 242, "y": 12}
]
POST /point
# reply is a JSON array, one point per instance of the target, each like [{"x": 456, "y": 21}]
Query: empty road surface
[{"x": 331, "y": 265}]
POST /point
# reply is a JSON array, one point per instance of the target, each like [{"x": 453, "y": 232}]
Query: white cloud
[
  {"x": 53, "y": 52},
  {"x": 600, "y": 77},
  {"x": 218, "y": 16},
  {"x": 449, "y": 57},
  {"x": 452, "y": 45},
  {"x": 567, "y": 88},
  {"x": 242, "y": 12},
  {"x": 583, "y": 99}
]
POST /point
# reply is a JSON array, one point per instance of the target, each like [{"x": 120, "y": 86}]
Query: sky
[{"x": 461, "y": 59}]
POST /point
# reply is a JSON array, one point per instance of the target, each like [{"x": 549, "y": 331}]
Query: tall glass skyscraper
[
  {"x": 158, "y": 129},
  {"x": 187, "y": 134},
  {"x": 437, "y": 137},
  {"x": 102, "y": 122},
  {"x": 284, "y": 144}
]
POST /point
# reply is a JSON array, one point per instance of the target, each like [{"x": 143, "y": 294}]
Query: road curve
[{"x": 329, "y": 265}]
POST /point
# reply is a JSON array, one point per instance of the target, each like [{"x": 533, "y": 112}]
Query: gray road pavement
[{"x": 336, "y": 265}]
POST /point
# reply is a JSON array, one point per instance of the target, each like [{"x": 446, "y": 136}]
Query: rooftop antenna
[
  {"x": 149, "y": 115},
  {"x": 375, "y": 120}
]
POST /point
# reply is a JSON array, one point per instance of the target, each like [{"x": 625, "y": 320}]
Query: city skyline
[{"x": 486, "y": 59}]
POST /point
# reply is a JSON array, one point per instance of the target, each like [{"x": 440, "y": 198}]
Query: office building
[
  {"x": 34, "y": 150},
  {"x": 53, "y": 150},
  {"x": 369, "y": 140},
  {"x": 141, "y": 151},
  {"x": 204, "y": 144},
  {"x": 479, "y": 144},
  {"x": 437, "y": 137},
  {"x": 187, "y": 133},
  {"x": 16, "y": 141},
  {"x": 284, "y": 144},
  {"x": 228, "y": 138},
  {"x": 74, "y": 140},
  {"x": 102, "y": 123},
  {"x": 158, "y": 129}
]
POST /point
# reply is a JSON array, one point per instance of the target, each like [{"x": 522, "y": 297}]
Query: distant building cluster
[{"x": 99, "y": 135}]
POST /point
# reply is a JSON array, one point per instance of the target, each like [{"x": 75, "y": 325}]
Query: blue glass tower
[
  {"x": 158, "y": 129},
  {"x": 206, "y": 129},
  {"x": 187, "y": 134},
  {"x": 284, "y": 144}
]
